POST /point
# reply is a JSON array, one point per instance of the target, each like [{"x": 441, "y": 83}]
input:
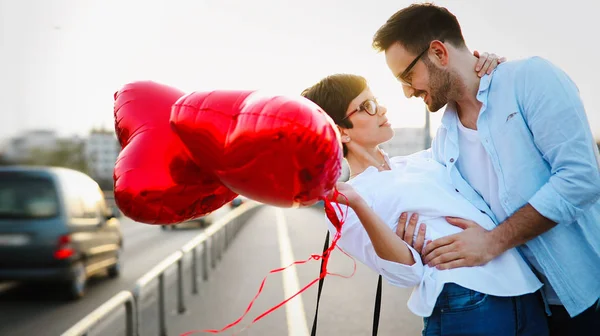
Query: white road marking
[{"x": 294, "y": 309}]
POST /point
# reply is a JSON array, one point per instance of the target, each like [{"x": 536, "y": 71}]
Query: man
[{"x": 518, "y": 145}]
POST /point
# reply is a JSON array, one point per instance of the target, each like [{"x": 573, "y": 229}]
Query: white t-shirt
[
  {"x": 420, "y": 184},
  {"x": 476, "y": 168}
]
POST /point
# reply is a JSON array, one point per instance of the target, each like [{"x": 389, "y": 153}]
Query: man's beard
[{"x": 442, "y": 86}]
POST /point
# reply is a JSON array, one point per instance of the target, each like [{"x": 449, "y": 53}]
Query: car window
[
  {"x": 72, "y": 195},
  {"x": 24, "y": 196},
  {"x": 88, "y": 196}
]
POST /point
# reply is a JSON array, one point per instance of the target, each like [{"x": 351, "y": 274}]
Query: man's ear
[{"x": 439, "y": 52}]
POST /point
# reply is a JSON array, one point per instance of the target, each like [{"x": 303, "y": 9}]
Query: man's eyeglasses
[
  {"x": 370, "y": 106},
  {"x": 404, "y": 74},
  {"x": 402, "y": 77}
]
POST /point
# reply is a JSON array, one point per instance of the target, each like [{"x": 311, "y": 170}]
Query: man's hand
[{"x": 472, "y": 247}]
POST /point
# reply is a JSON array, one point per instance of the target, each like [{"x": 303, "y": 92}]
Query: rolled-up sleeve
[
  {"x": 554, "y": 112},
  {"x": 355, "y": 241}
]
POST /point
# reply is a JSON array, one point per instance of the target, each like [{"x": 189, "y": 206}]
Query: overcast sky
[{"x": 62, "y": 60}]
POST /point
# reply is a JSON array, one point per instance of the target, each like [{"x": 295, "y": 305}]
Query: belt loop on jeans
[{"x": 518, "y": 305}]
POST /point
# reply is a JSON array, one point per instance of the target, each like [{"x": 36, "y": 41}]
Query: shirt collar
[
  {"x": 373, "y": 169},
  {"x": 450, "y": 117},
  {"x": 386, "y": 157}
]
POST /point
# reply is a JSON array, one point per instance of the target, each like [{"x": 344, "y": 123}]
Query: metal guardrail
[
  {"x": 85, "y": 325},
  {"x": 159, "y": 272},
  {"x": 211, "y": 243}
]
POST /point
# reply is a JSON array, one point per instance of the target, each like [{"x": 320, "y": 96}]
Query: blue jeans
[{"x": 461, "y": 311}]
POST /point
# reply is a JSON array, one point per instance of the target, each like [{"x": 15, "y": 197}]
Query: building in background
[
  {"x": 22, "y": 148},
  {"x": 101, "y": 151},
  {"x": 94, "y": 155}
]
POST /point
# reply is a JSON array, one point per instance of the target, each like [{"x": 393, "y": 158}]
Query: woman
[{"x": 499, "y": 298}]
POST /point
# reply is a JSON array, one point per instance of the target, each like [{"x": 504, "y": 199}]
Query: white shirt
[
  {"x": 475, "y": 166},
  {"x": 419, "y": 184}
]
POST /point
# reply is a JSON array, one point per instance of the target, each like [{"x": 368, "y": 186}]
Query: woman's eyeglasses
[{"x": 370, "y": 106}]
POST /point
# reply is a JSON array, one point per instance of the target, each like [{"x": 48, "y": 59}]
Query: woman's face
[{"x": 369, "y": 130}]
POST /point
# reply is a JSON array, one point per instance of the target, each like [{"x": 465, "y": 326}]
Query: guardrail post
[
  {"x": 180, "y": 298},
  {"x": 162, "y": 318},
  {"x": 130, "y": 317},
  {"x": 86, "y": 325},
  {"x": 219, "y": 245},
  {"x": 195, "y": 270},
  {"x": 213, "y": 257},
  {"x": 223, "y": 243},
  {"x": 227, "y": 231},
  {"x": 205, "y": 260}
]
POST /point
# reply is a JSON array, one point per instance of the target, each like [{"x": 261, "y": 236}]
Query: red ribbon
[{"x": 337, "y": 223}]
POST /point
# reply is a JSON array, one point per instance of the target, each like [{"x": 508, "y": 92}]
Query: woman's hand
[
  {"x": 346, "y": 194},
  {"x": 406, "y": 232},
  {"x": 486, "y": 63}
]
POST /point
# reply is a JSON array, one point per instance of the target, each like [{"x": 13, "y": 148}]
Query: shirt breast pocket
[
  {"x": 512, "y": 136},
  {"x": 514, "y": 122}
]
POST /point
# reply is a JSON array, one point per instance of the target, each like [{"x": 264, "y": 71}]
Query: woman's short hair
[{"x": 334, "y": 94}]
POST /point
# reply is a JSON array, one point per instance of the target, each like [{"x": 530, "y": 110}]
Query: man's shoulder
[
  {"x": 531, "y": 74},
  {"x": 524, "y": 66}
]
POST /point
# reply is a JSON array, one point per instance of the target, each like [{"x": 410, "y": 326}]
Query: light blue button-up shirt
[{"x": 533, "y": 126}]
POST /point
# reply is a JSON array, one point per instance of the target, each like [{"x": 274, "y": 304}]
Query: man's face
[{"x": 423, "y": 79}]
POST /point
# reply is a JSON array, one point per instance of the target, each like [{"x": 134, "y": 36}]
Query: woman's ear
[{"x": 344, "y": 135}]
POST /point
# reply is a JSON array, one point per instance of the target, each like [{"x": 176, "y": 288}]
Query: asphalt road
[{"x": 346, "y": 307}]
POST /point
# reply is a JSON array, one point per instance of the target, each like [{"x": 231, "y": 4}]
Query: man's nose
[
  {"x": 408, "y": 90},
  {"x": 382, "y": 110}
]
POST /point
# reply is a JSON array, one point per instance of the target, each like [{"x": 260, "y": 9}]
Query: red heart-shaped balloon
[
  {"x": 279, "y": 150},
  {"x": 155, "y": 180}
]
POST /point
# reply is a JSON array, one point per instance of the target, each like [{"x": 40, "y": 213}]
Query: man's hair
[
  {"x": 415, "y": 26},
  {"x": 333, "y": 94}
]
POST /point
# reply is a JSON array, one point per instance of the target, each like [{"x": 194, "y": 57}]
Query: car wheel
[
  {"x": 115, "y": 270},
  {"x": 76, "y": 285}
]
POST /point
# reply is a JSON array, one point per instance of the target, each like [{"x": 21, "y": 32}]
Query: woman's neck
[{"x": 359, "y": 159}]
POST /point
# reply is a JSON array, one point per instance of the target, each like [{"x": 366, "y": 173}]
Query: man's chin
[{"x": 434, "y": 108}]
